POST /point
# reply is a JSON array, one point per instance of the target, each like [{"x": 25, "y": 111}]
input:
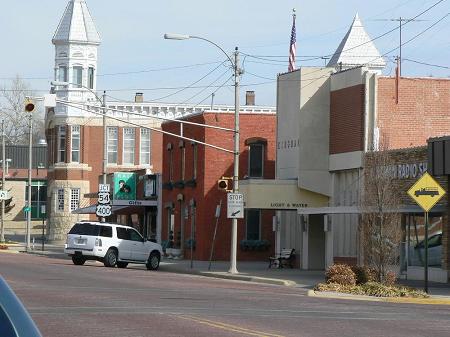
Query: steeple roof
[
  {"x": 76, "y": 25},
  {"x": 356, "y": 49}
]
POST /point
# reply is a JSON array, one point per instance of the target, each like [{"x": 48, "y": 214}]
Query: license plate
[{"x": 80, "y": 241}]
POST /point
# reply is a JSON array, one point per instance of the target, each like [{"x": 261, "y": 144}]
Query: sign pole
[{"x": 426, "y": 253}]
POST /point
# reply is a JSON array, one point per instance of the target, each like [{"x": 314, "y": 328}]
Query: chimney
[
  {"x": 139, "y": 98},
  {"x": 249, "y": 98}
]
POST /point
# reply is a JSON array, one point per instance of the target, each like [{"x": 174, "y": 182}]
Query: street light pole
[
  {"x": 233, "y": 258},
  {"x": 237, "y": 73},
  {"x": 105, "y": 147},
  {"x": 30, "y": 162}
]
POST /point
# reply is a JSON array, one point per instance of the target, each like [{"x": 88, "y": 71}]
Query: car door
[
  {"x": 139, "y": 249},
  {"x": 124, "y": 243}
]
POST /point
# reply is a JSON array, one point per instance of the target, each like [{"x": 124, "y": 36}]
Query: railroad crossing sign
[
  {"x": 426, "y": 192},
  {"x": 235, "y": 206},
  {"x": 103, "y": 210}
]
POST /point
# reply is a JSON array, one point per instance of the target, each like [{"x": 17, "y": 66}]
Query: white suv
[{"x": 111, "y": 244}]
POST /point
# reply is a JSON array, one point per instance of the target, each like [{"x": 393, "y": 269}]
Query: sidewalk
[{"x": 248, "y": 271}]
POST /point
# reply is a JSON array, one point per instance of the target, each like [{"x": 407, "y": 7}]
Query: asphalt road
[{"x": 91, "y": 300}]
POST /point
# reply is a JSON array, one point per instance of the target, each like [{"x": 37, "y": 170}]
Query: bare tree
[
  {"x": 381, "y": 228},
  {"x": 16, "y": 119}
]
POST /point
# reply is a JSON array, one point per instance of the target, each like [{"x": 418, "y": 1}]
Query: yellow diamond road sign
[{"x": 426, "y": 192}]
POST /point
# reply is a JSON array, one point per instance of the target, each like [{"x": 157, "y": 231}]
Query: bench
[{"x": 285, "y": 258}]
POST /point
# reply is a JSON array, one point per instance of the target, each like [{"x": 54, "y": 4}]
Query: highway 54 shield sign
[
  {"x": 235, "y": 206},
  {"x": 426, "y": 192}
]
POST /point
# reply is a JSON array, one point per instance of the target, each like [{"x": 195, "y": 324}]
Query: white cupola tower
[
  {"x": 357, "y": 49},
  {"x": 76, "y": 42}
]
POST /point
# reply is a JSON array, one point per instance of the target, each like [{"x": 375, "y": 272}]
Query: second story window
[
  {"x": 112, "y": 145},
  {"x": 61, "y": 143},
  {"x": 170, "y": 150},
  {"x": 91, "y": 78},
  {"x": 145, "y": 147},
  {"x": 256, "y": 160},
  {"x": 75, "y": 143},
  {"x": 194, "y": 160},
  {"x": 128, "y": 146},
  {"x": 183, "y": 159},
  {"x": 77, "y": 76},
  {"x": 62, "y": 74}
]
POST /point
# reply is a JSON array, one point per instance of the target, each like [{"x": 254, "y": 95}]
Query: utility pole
[
  {"x": 105, "y": 144},
  {"x": 400, "y": 21},
  {"x": 30, "y": 163},
  {"x": 237, "y": 72},
  {"x": 2, "y": 229}
]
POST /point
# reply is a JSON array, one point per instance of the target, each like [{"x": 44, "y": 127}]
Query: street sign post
[
  {"x": 103, "y": 188},
  {"x": 235, "y": 206},
  {"x": 426, "y": 192},
  {"x": 104, "y": 198},
  {"x": 103, "y": 208},
  {"x": 3, "y": 195}
]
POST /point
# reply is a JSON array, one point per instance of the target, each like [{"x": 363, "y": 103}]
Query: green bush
[{"x": 340, "y": 274}]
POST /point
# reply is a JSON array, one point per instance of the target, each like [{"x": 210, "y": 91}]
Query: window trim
[
  {"x": 75, "y": 80},
  {"x": 66, "y": 73},
  {"x": 91, "y": 77}
]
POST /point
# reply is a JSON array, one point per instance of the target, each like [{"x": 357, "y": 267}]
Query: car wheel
[
  {"x": 153, "y": 261},
  {"x": 122, "y": 264},
  {"x": 110, "y": 258},
  {"x": 78, "y": 260}
]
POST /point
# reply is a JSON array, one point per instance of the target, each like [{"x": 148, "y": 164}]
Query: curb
[
  {"x": 9, "y": 251},
  {"x": 342, "y": 296},
  {"x": 223, "y": 275}
]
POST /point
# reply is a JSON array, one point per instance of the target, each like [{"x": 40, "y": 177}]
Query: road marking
[{"x": 228, "y": 327}]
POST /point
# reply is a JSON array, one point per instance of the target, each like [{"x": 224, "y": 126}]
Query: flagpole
[{"x": 292, "y": 44}]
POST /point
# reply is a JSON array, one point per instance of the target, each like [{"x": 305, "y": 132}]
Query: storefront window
[{"x": 416, "y": 241}]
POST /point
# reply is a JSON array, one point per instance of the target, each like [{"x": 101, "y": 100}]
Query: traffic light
[
  {"x": 223, "y": 183},
  {"x": 29, "y": 105}
]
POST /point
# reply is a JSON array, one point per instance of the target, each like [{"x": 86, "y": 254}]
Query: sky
[{"x": 134, "y": 57}]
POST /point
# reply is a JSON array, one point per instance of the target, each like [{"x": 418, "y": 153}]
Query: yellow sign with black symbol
[{"x": 426, "y": 192}]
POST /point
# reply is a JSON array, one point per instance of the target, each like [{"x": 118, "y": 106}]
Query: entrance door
[{"x": 316, "y": 243}]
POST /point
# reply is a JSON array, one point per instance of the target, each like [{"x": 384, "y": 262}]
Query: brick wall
[
  {"x": 347, "y": 119},
  {"x": 211, "y": 165},
  {"x": 423, "y": 111}
]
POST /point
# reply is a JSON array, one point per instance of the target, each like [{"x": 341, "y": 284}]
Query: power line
[{"x": 427, "y": 64}]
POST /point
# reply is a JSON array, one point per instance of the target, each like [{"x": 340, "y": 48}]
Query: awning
[
  {"x": 358, "y": 210},
  {"x": 91, "y": 209}
]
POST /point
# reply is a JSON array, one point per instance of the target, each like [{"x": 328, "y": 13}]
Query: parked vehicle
[
  {"x": 417, "y": 253},
  {"x": 112, "y": 244},
  {"x": 15, "y": 320}
]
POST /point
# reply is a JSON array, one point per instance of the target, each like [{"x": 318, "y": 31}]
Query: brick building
[
  {"x": 327, "y": 120},
  {"x": 190, "y": 175}
]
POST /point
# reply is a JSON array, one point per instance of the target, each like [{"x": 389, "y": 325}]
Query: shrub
[
  {"x": 3, "y": 247},
  {"x": 372, "y": 289},
  {"x": 379, "y": 290},
  {"x": 364, "y": 274},
  {"x": 390, "y": 278},
  {"x": 340, "y": 274}
]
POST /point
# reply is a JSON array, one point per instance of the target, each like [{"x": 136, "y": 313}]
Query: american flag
[{"x": 292, "y": 48}]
